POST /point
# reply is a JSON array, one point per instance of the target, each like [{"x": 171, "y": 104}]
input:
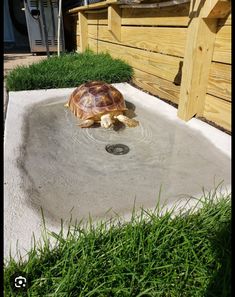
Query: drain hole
[{"x": 117, "y": 149}]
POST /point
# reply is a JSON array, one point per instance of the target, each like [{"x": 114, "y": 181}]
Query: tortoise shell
[{"x": 93, "y": 99}]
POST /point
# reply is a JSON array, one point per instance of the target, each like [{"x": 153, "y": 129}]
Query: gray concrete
[{"x": 52, "y": 163}]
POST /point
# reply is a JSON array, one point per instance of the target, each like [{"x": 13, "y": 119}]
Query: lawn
[
  {"x": 155, "y": 254},
  {"x": 68, "y": 70}
]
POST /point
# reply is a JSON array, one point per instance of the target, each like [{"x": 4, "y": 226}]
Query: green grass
[
  {"x": 68, "y": 70},
  {"x": 155, "y": 254}
]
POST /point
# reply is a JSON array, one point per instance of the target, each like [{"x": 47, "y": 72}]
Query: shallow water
[{"x": 67, "y": 169}]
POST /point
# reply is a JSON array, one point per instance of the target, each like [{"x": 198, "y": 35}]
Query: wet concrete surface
[{"x": 66, "y": 170}]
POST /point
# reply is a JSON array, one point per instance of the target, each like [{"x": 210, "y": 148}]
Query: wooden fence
[{"x": 180, "y": 52}]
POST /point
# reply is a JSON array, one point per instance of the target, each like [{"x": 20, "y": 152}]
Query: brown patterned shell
[{"x": 92, "y": 99}]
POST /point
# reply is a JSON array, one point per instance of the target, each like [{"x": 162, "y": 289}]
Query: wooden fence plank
[
  {"x": 222, "y": 50},
  {"x": 163, "y": 66},
  {"x": 93, "y": 45},
  {"x": 98, "y": 18},
  {"x": 218, "y": 111},
  {"x": 169, "y": 41},
  {"x": 219, "y": 83},
  {"x": 168, "y": 16},
  {"x": 157, "y": 86}
]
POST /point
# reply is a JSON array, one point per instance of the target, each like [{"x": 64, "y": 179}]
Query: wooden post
[
  {"x": 114, "y": 21},
  {"x": 197, "y": 60},
  {"x": 196, "y": 67},
  {"x": 83, "y": 30}
]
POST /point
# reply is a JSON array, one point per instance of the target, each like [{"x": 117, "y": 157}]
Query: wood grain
[
  {"x": 222, "y": 50},
  {"x": 98, "y": 18},
  {"x": 164, "y": 40},
  {"x": 168, "y": 16},
  {"x": 157, "y": 86},
  {"x": 219, "y": 83},
  {"x": 218, "y": 111}
]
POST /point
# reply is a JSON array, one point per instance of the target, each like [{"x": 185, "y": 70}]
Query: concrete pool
[{"x": 51, "y": 163}]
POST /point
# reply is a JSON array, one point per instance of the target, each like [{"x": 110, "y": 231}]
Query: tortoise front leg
[
  {"x": 106, "y": 120},
  {"x": 86, "y": 123},
  {"x": 127, "y": 121}
]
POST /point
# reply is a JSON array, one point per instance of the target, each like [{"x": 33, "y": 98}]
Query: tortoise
[{"x": 99, "y": 102}]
